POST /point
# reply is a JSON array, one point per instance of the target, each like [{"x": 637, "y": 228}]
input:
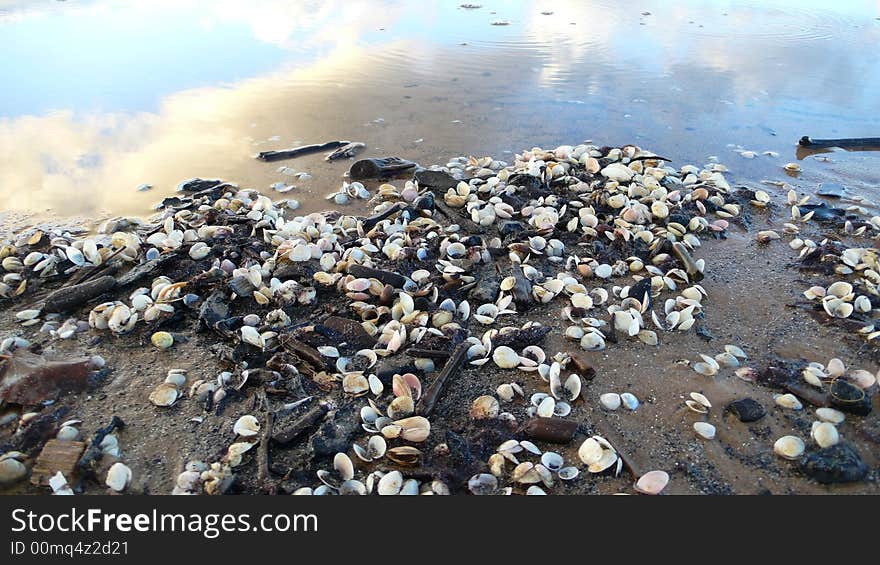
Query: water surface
[{"x": 103, "y": 96}]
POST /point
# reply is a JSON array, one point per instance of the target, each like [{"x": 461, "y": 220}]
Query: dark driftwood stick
[
  {"x": 307, "y": 420},
  {"x": 370, "y": 222},
  {"x": 387, "y": 277},
  {"x": 346, "y": 151},
  {"x": 93, "y": 452},
  {"x": 70, "y": 297},
  {"x": 305, "y": 352},
  {"x": 379, "y": 168},
  {"x": 429, "y": 400},
  {"x": 263, "y": 450},
  {"x": 843, "y": 143},
  {"x": 427, "y": 353},
  {"x": 148, "y": 268},
  {"x": 299, "y": 151}
]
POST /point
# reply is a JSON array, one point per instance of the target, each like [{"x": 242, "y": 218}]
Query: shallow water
[{"x": 103, "y": 96}]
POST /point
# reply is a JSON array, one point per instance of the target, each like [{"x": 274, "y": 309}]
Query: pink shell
[{"x": 652, "y": 482}]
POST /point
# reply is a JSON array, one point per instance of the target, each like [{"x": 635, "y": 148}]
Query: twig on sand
[{"x": 429, "y": 400}]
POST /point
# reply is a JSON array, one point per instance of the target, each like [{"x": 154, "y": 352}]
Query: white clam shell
[
  {"x": 629, "y": 400},
  {"x": 789, "y": 447},
  {"x": 118, "y": 477},
  {"x": 247, "y": 426},
  {"x": 704, "y": 429},
  {"x": 505, "y": 357},
  {"x": 652, "y": 482},
  {"x": 825, "y": 434},
  {"x": 830, "y": 415},
  {"x": 391, "y": 483},
  {"x": 788, "y": 400},
  {"x": 610, "y": 400}
]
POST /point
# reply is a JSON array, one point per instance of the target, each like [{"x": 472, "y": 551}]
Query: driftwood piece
[
  {"x": 382, "y": 167},
  {"x": 70, "y": 297},
  {"x": 57, "y": 455},
  {"x": 554, "y": 430},
  {"x": 427, "y": 353},
  {"x": 299, "y": 151},
  {"x": 353, "y": 332},
  {"x": 432, "y": 394},
  {"x": 394, "y": 279},
  {"x": 305, "y": 352},
  {"x": 371, "y": 221},
  {"x": 346, "y": 151},
  {"x": 94, "y": 453},
  {"x": 843, "y": 143},
  {"x": 147, "y": 269},
  {"x": 292, "y": 431}
]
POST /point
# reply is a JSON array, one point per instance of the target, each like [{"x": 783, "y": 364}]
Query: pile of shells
[{"x": 603, "y": 239}]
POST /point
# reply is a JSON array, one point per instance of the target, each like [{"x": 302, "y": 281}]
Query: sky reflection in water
[{"x": 102, "y": 96}]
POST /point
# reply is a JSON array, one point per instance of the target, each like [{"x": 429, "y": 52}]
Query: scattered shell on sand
[{"x": 789, "y": 447}]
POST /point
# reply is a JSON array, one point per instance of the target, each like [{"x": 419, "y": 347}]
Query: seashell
[
  {"x": 67, "y": 433},
  {"x": 485, "y": 407},
  {"x": 376, "y": 449},
  {"x": 704, "y": 429},
  {"x": 590, "y": 451},
  {"x": 701, "y": 400},
  {"x": 825, "y": 434},
  {"x": 11, "y": 470},
  {"x": 505, "y": 357},
  {"x": 629, "y": 400},
  {"x": 603, "y": 271},
  {"x": 355, "y": 383},
  {"x": 404, "y": 455},
  {"x": 415, "y": 428},
  {"x": 652, "y": 482},
  {"x": 401, "y": 407},
  {"x": 835, "y": 368},
  {"x": 788, "y": 401},
  {"x": 546, "y": 407},
  {"x": 247, "y": 426},
  {"x": 505, "y": 392},
  {"x": 165, "y": 394},
  {"x": 251, "y": 336},
  {"x": 352, "y": 487},
  {"x": 391, "y": 483},
  {"x": 525, "y": 473},
  {"x": 830, "y": 415},
  {"x": 568, "y": 473},
  {"x": 789, "y": 447},
  {"x": 483, "y": 484},
  {"x": 343, "y": 465},
  {"x": 862, "y": 379},
  {"x": 610, "y": 400},
  {"x": 552, "y": 461},
  {"x": 118, "y": 477}
]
